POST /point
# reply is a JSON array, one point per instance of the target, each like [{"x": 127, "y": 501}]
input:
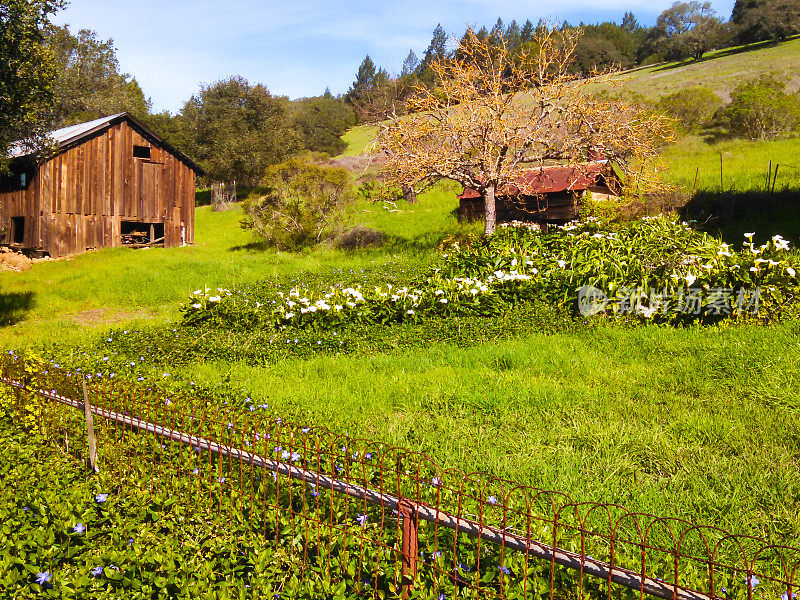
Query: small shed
[
  {"x": 548, "y": 194},
  {"x": 110, "y": 182}
]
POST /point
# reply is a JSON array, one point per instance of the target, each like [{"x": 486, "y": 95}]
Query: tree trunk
[
  {"x": 223, "y": 194},
  {"x": 410, "y": 194},
  {"x": 490, "y": 211}
]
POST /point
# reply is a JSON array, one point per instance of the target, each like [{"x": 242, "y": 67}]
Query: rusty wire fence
[{"x": 386, "y": 522}]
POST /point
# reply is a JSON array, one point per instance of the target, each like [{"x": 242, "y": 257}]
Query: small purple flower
[
  {"x": 504, "y": 570},
  {"x": 42, "y": 578},
  {"x": 167, "y": 401},
  {"x": 277, "y": 449},
  {"x": 295, "y": 456},
  {"x": 221, "y": 479},
  {"x": 436, "y": 554},
  {"x": 785, "y": 596},
  {"x": 130, "y": 541},
  {"x": 491, "y": 500},
  {"x": 100, "y": 498},
  {"x": 196, "y": 471},
  {"x": 306, "y": 429},
  {"x": 368, "y": 456},
  {"x": 442, "y": 597},
  {"x": 229, "y": 425},
  {"x": 79, "y": 528},
  {"x": 97, "y": 571},
  {"x": 436, "y": 481},
  {"x": 285, "y": 454},
  {"x": 752, "y": 581},
  {"x": 26, "y": 508},
  {"x": 362, "y": 519}
]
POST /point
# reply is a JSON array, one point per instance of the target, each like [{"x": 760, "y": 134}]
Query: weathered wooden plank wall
[{"x": 78, "y": 199}]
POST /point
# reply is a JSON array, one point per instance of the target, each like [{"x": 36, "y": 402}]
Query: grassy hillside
[{"x": 722, "y": 70}]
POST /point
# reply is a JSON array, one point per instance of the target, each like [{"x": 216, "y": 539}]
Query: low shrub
[
  {"x": 303, "y": 205},
  {"x": 656, "y": 267},
  {"x": 360, "y": 237},
  {"x": 692, "y": 108},
  {"x": 761, "y": 109}
]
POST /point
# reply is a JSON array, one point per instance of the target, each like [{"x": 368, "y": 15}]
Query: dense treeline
[
  {"x": 236, "y": 128},
  {"x": 684, "y": 31}
]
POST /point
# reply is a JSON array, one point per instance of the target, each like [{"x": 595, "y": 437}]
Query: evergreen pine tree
[
  {"x": 513, "y": 35},
  {"x": 410, "y": 64},
  {"x": 526, "y": 34},
  {"x": 437, "y": 49}
]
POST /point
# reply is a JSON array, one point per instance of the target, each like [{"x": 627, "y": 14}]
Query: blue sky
[{"x": 298, "y": 47}]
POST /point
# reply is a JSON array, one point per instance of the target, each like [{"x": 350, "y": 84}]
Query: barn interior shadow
[
  {"x": 731, "y": 214},
  {"x": 14, "y": 306}
]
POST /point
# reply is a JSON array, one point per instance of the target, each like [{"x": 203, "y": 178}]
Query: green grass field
[{"x": 701, "y": 423}]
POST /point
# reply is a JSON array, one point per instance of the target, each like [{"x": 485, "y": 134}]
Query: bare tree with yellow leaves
[{"x": 494, "y": 113}]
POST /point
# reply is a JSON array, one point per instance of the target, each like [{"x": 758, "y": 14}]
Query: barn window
[
  {"x": 22, "y": 179},
  {"x": 17, "y": 230},
  {"x": 141, "y": 151}
]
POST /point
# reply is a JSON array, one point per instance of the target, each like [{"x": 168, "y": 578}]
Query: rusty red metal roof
[{"x": 550, "y": 179}]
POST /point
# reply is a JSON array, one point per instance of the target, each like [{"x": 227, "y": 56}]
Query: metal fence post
[
  {"x": 87, "y": 413},
  {"x": 410, "y": 544}
]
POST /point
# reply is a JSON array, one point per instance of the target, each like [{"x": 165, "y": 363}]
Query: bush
[
  {"x": 303, "y": 205},
  {"x": 761, "y": 109},
  {"x": 360, "y": 237},
  {"x": 692, "y": 108},
  {"x": 657, "y": 268}
]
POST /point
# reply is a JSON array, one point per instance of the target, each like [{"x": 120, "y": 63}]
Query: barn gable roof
[
  {"x": 551, "y": 179},
  {"x": 73, "y": 134}
]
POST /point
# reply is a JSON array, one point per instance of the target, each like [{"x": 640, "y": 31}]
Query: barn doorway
[
  {"x": 138, "y": 233},
  {"x": 17, "y": 233}
]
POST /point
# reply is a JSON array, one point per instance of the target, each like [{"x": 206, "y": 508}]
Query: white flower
[
  {"x": 215, "y": 299},
  {"x": 790, "y": 271},
  {"x": 443, "y": 300},
  {"x": 562, "y": 264},
  {"x": 473, "y": 291},
  {"x": 337, "y": 307},
  {"x": 197, "y": 305},
  {"x": 312, "y": 309},
  {"x": 750, "y": 234},
  {"x": 534, "y": 271},
  {"x": 514, "y": 263},
  {"x": 439, "y": 292},
  {"x": 409, "y": 312},
  {"x": 289, "y": 315},
  {"x": 780, "y": 243},
  {"x": 690, "y": 278},
  {"x": 198, "y": 292},
  {"x": 290, "y": 303}
]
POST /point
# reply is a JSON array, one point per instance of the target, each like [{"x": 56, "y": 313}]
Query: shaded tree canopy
[
  {"x": 89, "y": 83},
  {"x": 27, "y": 73},
  {"x": 760, "y": 20},
  {"x": 236, "y": 130},
  {"x": 322, "y": 120}
]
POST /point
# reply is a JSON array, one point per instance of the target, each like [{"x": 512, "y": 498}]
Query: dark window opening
[
  {"x": 141, "y": 152},
  {"x": 17, "y": 230},
  {"x": 135, "y": 233}
]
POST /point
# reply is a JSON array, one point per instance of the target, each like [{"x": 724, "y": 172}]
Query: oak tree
[{"x": 494, "y": 113}]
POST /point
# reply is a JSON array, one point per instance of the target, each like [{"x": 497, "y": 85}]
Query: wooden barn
[
  {"x": 111, "y": 182},
  {"x": 550, "y": 194}
]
